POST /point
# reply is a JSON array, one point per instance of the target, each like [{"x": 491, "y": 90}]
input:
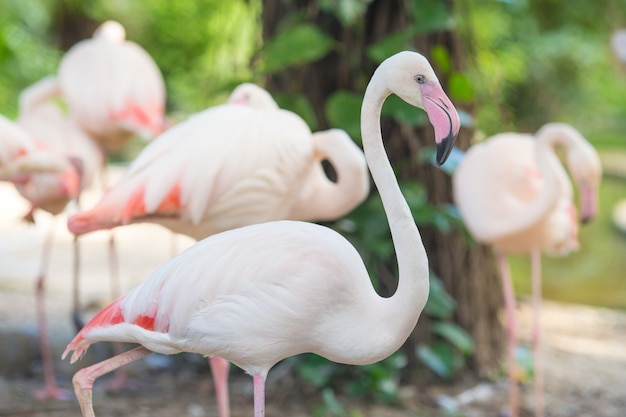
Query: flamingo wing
[
  {"x": 229, "y": 161},
  {"x": 221, "y": 295}
]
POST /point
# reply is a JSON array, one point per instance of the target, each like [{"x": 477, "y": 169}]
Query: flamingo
[
  {"x": 252, "y": 295},
  {"x": 113, "y": 87},
  {"x": 513, "y": 193},
  {"x": 21, "y": 156},
  {"x": 43, "y": 121},
  {"x": 240, "y": 163},
  {"x": 233, "y": 165}
]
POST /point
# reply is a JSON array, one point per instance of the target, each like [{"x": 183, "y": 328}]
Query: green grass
[{"x": 594, "y": 275}]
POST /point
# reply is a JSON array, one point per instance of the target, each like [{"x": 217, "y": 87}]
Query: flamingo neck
[
  {"x": 547, "y": 139},
  {"x": 402, "y": 310},
  {"x": 322, "y": 199}
]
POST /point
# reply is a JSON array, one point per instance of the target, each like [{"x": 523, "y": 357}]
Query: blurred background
[{"x": 509, "y": 65}]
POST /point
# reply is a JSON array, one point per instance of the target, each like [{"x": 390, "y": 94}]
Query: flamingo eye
[{"x": 421, "y": 79}]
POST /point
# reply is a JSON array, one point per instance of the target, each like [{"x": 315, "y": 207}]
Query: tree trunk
[{"x": 467, "y": 270}]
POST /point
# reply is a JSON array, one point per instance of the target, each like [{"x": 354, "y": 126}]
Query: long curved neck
[
  {"x": 547, "y": 139},
  {"x": 38, "y": 94},
  {"x": 404, "y": 307},
  {"x": 321, "y": 199}
]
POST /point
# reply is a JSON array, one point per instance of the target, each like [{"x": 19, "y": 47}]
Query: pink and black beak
[
  {"x": 588, "y": 202},
  {"x": 443, "y": 116}
]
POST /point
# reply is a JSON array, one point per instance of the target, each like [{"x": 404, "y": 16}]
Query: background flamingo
[
  {"x": 21, "y": 156},
  {"x": 513, "y": 193},
  {"x": 230, "y": 166},
  {"x": 252, "y": 295},
  {"x": 113, "y": 87},
  {"x": 240, "y": 163},
  {"x": 43, "y": 120}
]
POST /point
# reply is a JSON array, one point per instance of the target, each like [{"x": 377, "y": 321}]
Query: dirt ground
[{"x": 585, "y": 356}]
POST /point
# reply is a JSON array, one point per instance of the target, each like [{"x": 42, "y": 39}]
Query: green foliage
[
  {"x": 343, "y": 110},
  {"x": 389, "y": 45},
  {"x": 451, "y": 345},
  {"x": 298, "y": 104},
  {"x": 203, "y": 47},
  {"x": 26, "y": 54},
  {"x": 378, "y": 381},
  {"x": 348, "y": 12},
  {"x": 534, "y": 62},
  {"x": 296, "y": 45}
]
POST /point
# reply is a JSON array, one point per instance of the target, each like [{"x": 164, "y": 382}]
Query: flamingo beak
[
  {"x": 588, "y": 202},
  {"x": 443, "y": 116}
]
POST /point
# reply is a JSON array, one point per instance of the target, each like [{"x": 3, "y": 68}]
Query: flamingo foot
[{"x": 52, "y": 392}]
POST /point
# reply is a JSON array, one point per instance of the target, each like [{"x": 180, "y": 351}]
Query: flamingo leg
[
  {"x": 83, "y": 380},
  {"x": 536, "y": 332},
  {"x": 219, "y": 369},
  {"x": 114, "y": 267},
  {"x": 51, "y": 389},
  {"x": 120, "y": 379},
  {"x": 259, "y": 395},
  {"x": 76, "y": 316},
  {"x": 76, "y": 319},
  {"x": 511, "y": 330}
]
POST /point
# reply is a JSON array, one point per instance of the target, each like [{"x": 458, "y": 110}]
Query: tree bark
[{"x": 467, "y": 269}]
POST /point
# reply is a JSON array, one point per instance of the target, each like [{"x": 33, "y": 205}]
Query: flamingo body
[
  {"x": 253, "y": 319},
  {"x": 507, "y": 163},
  {"x": 113, "y": 87}
]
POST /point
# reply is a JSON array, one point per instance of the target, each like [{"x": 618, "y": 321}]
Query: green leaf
[
  {"x": 441, "y": 58},
  {"x": 389, "y": 45},
  {"x": 300, "y": 105},
  {"x": 454, "y": 334},
  {"x": 460, "y": 88},
  {"x": 348, "y": 12},
  {"x": 332, "y": 404},
  {"x": 440, "y": 304},
  {"x": 431, "y": 16},
  {"x": 433, "y": 360},
  {"x": 401, "y": 112},
  {"x": 343, "y": 110},
  {"x": 295, "y": 46}
]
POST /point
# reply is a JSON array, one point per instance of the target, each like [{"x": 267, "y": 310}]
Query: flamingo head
[
  {"x": 252, "y": 95},
  {"x": 413, "y": 79}
]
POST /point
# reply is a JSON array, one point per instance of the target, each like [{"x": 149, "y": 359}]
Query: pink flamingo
[
  {"x": 21, "y": 156},
  {"x": 240, "y": 163},
  {"x": 230, "y": 166},
  {"x": 252, "y": 295},
  {"x": 514, "y": 194},
  {"x": 113, "y": 87},
  {"x": 43, "y": 121}
]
